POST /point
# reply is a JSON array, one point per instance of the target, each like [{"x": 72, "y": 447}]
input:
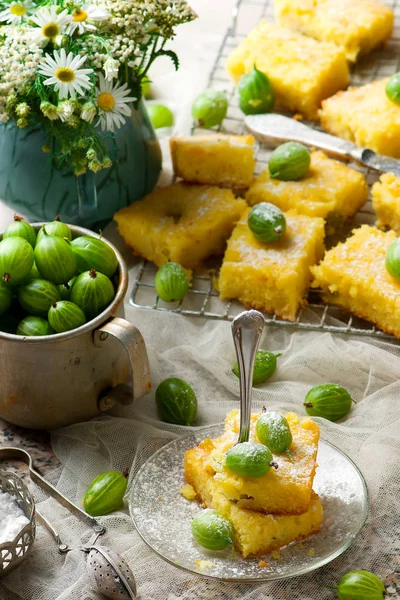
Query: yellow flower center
[
  {"x": 50, "y": 30},
  {"x": 18, "y": 9},
  {"x": 106, "y": 101},
  {"x": 79, "y": 15},
  {"x": 65, "y": 75}
]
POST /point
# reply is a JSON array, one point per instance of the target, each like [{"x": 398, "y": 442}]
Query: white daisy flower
[
  {"x": 112, "y": 101},
  {"x": 111, "y": 67},
  {"x": 63, "y": 71},
  {"x": 16, "y": 11},
  {"x": 50, "y": 24},
  {"x": 83, "y": 18}
]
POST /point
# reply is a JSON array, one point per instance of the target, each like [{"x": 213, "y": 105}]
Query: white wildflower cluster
[
  {"x": 135, "y": 29},
  {"x": 75, "y": 68},
  {"x": 19, "y": 60}
]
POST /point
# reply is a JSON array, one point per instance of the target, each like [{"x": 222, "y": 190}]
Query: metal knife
[{"x": 274, "y": 129}]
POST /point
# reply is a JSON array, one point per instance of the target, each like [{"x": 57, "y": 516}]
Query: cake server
[
  {"x": 247, "y": 329},
  {"x": 274, "y": 129}
]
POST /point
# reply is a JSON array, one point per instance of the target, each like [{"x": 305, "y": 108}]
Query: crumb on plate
[
  {"x": 188, "y": 492},
  {"x": 204, "y": 564},
  {"x": 262, "y": 563}
]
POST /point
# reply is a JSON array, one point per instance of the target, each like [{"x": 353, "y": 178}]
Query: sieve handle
[
  {"x": 62, "y": 548},
  {"x": 18, "y": 453},
  {"x": 247, "y": 330}
]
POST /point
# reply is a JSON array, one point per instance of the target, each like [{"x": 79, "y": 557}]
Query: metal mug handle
[{"x": 132, "y": 340}]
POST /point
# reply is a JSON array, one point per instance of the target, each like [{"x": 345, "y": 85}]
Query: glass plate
[{"x": 162, "y": 516}]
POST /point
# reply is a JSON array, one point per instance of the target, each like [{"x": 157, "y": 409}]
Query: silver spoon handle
[{"x": 247, "y": 329}]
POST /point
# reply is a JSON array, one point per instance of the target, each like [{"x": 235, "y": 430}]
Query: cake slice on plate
[
  {"x": 256, "y": 533},
  {"x": 285, "y": 490}
]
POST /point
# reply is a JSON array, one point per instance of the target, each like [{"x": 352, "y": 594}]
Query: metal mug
[{"x": 52, "y": 381}]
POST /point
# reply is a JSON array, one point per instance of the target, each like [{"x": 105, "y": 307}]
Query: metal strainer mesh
[{"x": 110, "y": 574}]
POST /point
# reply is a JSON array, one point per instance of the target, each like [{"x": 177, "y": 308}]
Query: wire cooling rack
[{"x": 202, "y": 299}]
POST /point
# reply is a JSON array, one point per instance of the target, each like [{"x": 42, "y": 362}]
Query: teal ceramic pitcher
[{"x": 30, "y": 185}]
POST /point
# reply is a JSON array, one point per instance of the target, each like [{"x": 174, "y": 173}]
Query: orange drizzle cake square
[
  {"x": 256, "y": 533},
  {"x": 186, "y": 223},
  {"x": 285, "y": 490},
  {"x": 365, "y": 116},
  {"x": 386, "y": 202},
  {"x": 302, "y": 70},
  {"x": 353, "y": 275},
  {"x": 330, "y": 190},
  {"x": 216, "y": 159},
  {"x": 272, "y": 277},
  {"x": 358, "y": 26}
]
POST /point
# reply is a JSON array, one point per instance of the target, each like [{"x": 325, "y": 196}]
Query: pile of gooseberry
[{"x": 51, "y": 283}]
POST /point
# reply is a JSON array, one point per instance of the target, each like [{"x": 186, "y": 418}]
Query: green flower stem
[{"x": 152, "y": 57}]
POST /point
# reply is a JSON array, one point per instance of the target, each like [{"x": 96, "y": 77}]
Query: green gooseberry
[
  {"x": 273, "y": 431},
  {"x": 264, "y": 366},
  {"x": 20, "y": 228},
  {"x": 212, "y": 531},
  {"x": 289, "y": 162},
  {"x": 249, "y": 459},
  {"x": 176, "y": 401}
]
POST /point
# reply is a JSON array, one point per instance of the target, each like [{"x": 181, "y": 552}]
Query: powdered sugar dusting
[{"x": 12, "y": 518}]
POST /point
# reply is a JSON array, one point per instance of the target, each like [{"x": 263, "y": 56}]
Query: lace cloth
[{"x": 202, "y": 353}]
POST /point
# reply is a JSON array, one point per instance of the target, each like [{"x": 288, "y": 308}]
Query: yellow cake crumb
[
  {"x": 182, "y": 222},
  {"x": 214, "y": 159},
  {"x": 311, "y": 552},
  {"x": 386, "y": 202},
  {"x": 353, "y": 275},
  {"x": 272, "y": 277},
  {"x": 204, "y": 564},
  {"x": 330, "y": 190},
  {"x": 302, "y": 70},
  {"x": 358, "y": 26},
  {"x": 188, "y": 492},
  {"x": 262, "y": 563},
  {"x": 276, "y": 555},
  {"x": 365, "y": 116}
]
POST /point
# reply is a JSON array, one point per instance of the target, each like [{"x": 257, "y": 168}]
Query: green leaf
[{"x": 171, "y": 54}]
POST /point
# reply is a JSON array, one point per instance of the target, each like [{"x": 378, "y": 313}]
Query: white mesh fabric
[{"x": 203, "y": 353}]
